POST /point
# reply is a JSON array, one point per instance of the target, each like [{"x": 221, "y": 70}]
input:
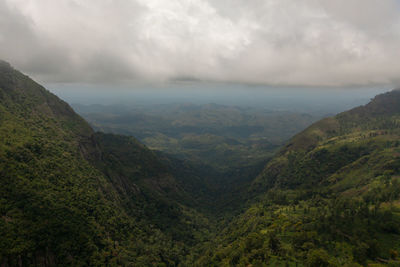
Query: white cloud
[{"x": 285, "y": 42}]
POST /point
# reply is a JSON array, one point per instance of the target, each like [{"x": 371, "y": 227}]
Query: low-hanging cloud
[{"x": 275, "y": 42}]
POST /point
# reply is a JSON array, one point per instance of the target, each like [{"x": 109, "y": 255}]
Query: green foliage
[
  {"x": 330, "y": 197},
  {"x": 69, "y": 197},
  {"x": 318, "y": 258},
  {"x": 72, "y": 197}
]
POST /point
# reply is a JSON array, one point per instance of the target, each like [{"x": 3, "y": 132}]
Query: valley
[
  {"x": 202, "y": 185},
  {"x": 217, "y": 135},
  {"x": 227, "y": 146}
]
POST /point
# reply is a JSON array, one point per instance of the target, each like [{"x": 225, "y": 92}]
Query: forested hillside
[
  {"x": 330, "y": 197},
  {"x": 70, "y": 196}
]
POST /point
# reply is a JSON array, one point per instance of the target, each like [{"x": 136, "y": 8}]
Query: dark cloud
[{"x": 278, "y": 42}]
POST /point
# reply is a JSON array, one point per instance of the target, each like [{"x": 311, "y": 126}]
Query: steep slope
[
  {"x": 147, "y": 184},
  {"x": 330, "y": 197},
  {"x": 69, "y": 196},
  {"x": 368, "y": 133}
]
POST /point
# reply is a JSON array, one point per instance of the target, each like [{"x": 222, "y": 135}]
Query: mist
[{"x": 309, "y": 100}]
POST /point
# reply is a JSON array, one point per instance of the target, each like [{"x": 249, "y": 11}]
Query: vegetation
[
  {"x": 223, "y": 137},
  {"x": 330, "y": 197},
  {"x": 216, "y": 149},
  {"x": 73, "y": 197}
]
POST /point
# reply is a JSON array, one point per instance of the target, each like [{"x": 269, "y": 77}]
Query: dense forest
[
  {"x": 70, "y": 196},
  {"x": 330, "y": 197}
]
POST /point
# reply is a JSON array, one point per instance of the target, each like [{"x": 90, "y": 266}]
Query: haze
[{"x": 325, "y": 101}]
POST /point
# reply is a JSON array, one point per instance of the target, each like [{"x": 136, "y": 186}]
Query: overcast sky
[{"x": 272, "y": 42}]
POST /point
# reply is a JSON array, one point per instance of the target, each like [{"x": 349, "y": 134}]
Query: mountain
[
  {"x": 70, "y": 196},
  {"x": 329, "y": 197},
  {"x": 327, "y": 150}
]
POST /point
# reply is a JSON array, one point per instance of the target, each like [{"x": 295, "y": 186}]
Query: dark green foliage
[
  {"x": 330, "y": 197},
  {"x": 72, "y": 197},
  {"x": 318, "y": 258}
]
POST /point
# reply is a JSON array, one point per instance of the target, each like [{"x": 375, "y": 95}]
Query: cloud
[{"x": 274, "y": 42}]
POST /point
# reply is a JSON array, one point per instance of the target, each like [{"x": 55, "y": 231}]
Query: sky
[{"x": 316, "y": 43}]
